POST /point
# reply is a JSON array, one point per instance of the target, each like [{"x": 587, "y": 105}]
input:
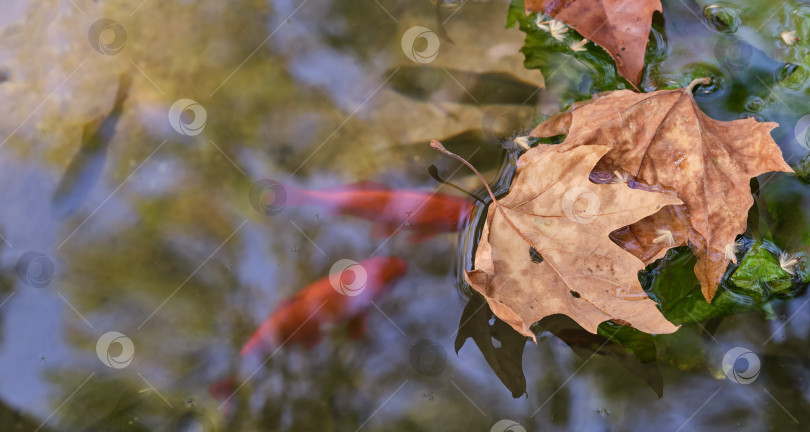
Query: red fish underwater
[
  {"x": 343, "y": 297},
  {"x": 424, "y": 213}
]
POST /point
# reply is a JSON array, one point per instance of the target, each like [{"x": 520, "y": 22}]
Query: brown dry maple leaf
[
  {"x": 621, "y": 27},
  {"x": 664, "y": 140},
  {"x": 554, "y": 208}
]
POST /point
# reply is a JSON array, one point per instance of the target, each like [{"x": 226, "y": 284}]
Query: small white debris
[
  {"x": 579, "y": 46},
  {"x": 732, "y": 249},
  {"x": 788, "y": 262},
  {"x": 664, "y": 236},
  {"x": 541, "y": 19},
  {"x": 789, "y": 37},
  {"x": 522, "y": 141},
  {"x": 556, "y": 27},
  {"x": 619, "y": 177}
]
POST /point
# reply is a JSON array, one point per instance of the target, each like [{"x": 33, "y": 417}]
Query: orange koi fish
[
  {"x": 344, "y": 296},
  {"x": 423, "y": 213}
]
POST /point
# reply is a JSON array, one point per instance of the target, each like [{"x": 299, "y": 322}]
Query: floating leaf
[
  {"x": 553, "y": 208},
  {"x": 663, "y": 140}
]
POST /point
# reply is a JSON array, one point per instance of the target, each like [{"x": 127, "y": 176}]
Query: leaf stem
[
  {"x": 698, "y": 81},
  {"x": 435, "y": 144}
]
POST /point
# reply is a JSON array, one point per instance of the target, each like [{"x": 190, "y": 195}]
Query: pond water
[{"x": 144, "y": 239}]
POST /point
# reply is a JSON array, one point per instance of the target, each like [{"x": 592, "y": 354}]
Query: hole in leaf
[
  {"x": 535, "y": 256},
  {"x": 575, "y": 294}
]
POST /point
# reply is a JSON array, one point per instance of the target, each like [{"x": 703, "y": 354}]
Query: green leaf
[
  {"x": 759, "y": 274},
  {"x": 674, "y": 285},
  {"x": 633, "y": 341},
  {"x": 784, "y": 205},
  {"x": 573, "y": 76}
]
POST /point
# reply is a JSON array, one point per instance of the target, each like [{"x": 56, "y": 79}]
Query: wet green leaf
[
  {"x": 759, "y": 274},
  {"x": 785, "y": 211},
  {"x": 571, "y": 75}
]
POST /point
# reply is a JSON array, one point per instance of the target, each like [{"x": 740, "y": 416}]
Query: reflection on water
[{"x": 158, "y": 238}]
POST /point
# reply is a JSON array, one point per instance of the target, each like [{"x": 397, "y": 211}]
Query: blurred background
[{"x": 134, "y": 135}]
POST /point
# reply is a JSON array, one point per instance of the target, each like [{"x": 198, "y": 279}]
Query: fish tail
[
  {"x": 292, "y": 195},
  {"x": 124, "y": 84},
  {"x": 297, "y": 196}
]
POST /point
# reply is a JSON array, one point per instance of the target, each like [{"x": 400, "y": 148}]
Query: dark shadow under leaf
[{"x": 506, "y": 359}]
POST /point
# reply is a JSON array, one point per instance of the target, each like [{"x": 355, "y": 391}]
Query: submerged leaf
[{"x": 633, "y": 350}]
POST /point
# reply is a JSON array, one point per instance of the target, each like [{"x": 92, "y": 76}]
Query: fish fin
[
  {"x": 383, "y": 230},
  {"x": 223, "y": 388},
  {"x": 356, "y": 327},
  {"x": 223, "y": 391},
  {"x": 420, "y": 236}
]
